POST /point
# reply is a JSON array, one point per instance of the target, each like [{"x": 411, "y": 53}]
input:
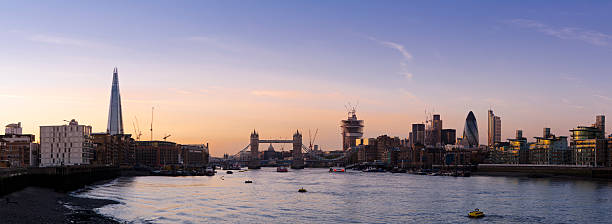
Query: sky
[{"x": 216, "y": 70}]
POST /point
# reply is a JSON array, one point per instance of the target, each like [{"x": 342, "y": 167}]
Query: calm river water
[{"x": 352, "y": 197}]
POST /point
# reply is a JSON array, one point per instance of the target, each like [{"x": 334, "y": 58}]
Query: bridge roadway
[{"x": 275, "y": 141}]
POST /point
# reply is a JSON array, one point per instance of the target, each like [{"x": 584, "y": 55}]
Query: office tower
[
  {"x": 417, "y": 136},
  {"x": 115, "y": 118},
  {"x": 470, "y": 131},
  {"x": 494, "y": 130}
]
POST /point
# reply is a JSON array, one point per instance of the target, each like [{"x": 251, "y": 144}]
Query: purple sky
[{"x": 215, "y": 70}]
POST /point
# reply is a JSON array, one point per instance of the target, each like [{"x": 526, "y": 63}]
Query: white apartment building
[{"x": 65, "y": 145}]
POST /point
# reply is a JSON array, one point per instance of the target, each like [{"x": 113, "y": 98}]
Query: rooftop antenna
[{"x": 152, "y": 108}]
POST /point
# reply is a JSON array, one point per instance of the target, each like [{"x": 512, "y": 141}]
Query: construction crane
[
  {"x": 152, "y": 108},
  {"x": 137, "y": 131},
  {"x": 311, "y": 140},
  {"x": 165, "y": 137}
]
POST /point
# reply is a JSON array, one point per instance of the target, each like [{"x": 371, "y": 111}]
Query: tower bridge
[
  {"x": 300, "y": 154},
  {"x": 296, "y": 153}
]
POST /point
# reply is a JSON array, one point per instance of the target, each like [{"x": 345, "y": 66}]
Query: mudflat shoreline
[{"x": 43, "y": 205}]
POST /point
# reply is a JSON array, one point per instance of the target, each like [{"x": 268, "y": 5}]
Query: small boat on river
[
  {"x": 337, "y": 169},
  {"x": 282, "y": 169},
  {"x": 476, "y": 214}
]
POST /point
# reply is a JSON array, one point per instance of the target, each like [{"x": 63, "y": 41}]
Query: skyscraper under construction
[{"x": 352, "y": 129}]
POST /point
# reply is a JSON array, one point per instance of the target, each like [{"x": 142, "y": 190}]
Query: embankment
[
  {"x": 544, "y": 170},
  {"x": 61, "y": 179}
]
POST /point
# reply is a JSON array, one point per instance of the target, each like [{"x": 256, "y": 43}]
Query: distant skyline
[{"x": 216, "y": 70}]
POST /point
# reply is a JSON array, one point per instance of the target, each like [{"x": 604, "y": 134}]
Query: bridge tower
[
  {"x": 254, "y": 162},
  {"x": 296, "y": 153}
]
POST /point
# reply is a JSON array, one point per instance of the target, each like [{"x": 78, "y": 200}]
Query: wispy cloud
[
  {"x": 406, "y": 56},
  {"x": 603, "y": 97},
  {"x": 570, "y": 104},
  {"x": 65, "y": 41},
  {"x": 568, "y": 77},
  {"x": 566, "y": 33},
  {"x": 407, "y": 94}
]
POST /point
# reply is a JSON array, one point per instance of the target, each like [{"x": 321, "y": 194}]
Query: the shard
[
  {"x": 115, "y": 117},
  {"x": 470, "y": 131}
]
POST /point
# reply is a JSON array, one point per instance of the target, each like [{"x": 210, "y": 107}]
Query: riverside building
[
  {"x": 519, "y": 144},
  {"x": 157, "y": 153},
  {"x": 17, "y": 149},
  {"x": 195, "y": 155},
  {"x": 550, "y": 149},
  {"x": 113, "y": 150},
  {"x": 589, "y": 144},
  {"x": 65, "y": 145}
]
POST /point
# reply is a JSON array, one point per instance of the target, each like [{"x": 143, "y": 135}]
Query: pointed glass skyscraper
[
  {"x": 470, "y": 131},
  {"x": 115, "y": 117}
]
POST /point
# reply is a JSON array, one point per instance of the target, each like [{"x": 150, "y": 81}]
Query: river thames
[{"x": 352, "y": 197}]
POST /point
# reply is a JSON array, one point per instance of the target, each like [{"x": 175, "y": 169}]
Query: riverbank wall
[
  {"x": 544, "y": 170},
  {"x": 62, "y": 179}
]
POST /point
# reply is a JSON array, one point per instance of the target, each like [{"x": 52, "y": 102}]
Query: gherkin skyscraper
[
  {"x": 115, "y": 117},
  {"x": 470, "y": 131}
]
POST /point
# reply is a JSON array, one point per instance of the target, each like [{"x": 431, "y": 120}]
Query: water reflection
[{"x": 353, "y": 197}]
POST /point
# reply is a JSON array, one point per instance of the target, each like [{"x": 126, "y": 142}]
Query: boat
[
  {"x": 302, "y": 190},
  {"x": 248, "y": 181},
  {"x": 229, "y": 172},
  {"x": 398, "y": 170},
  {"x": 337, "y": 169},
  {"x": 476, "y": 214},
  {"x": 209, "y": 171},
  {"x": 232, "y": 167},
  {"x": 282, "y": 169},
  {"x": 373, "y": 169}
]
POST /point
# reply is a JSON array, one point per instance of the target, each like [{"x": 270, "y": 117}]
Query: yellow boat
[
  {"x": 302, "y": 190},
  {"x": 476, "y": 214}
]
